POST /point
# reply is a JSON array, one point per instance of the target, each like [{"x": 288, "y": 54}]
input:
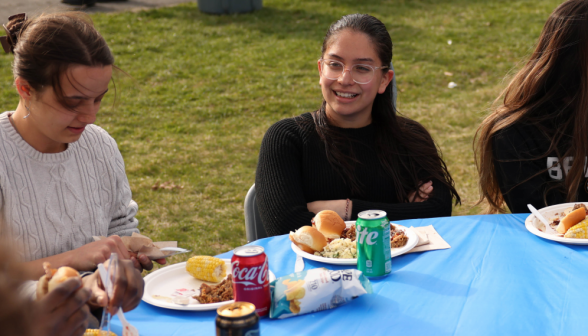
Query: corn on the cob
[
  {"x": 96, "y": 332},
  {"x": 207, "y": 268},
  {"x": 579, "y": 230}
]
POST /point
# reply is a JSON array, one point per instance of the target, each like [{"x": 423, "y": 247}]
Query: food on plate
[
  {"x": 339, "y": 248},
  {"x": 316, "y": 290},
  {"x": 217, "y": 293},
  {"x": 53, "y": 277},
  {"x": 308, "y": 239},
  {"x": 349, "y": 233},
  {"x": 329, "y": 223},
  {"x": 571, "y": 219},
  {"x": 311, "y": 240},
  {"x": 207, "y": 268},
  {"x": 579, "y": 230},
  {"x": 399, "y": 239}
]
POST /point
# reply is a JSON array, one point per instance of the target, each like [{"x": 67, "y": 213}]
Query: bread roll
[
  {"x": 308, "y": 239},
  {"x": 571, "y": 219},
  {"x": 329, "y": 223},
  {"x": 54, "y": 277}
]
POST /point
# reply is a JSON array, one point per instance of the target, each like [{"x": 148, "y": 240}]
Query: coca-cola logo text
[{"x": 247, "y": 276}]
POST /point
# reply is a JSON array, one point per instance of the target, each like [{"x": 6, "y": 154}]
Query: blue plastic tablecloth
[{"x": 496, "y": 279}]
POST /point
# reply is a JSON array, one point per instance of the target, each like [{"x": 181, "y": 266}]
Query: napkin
[
  {"x": 429, "y": 239},
  {"x": 143, "y": 245}
]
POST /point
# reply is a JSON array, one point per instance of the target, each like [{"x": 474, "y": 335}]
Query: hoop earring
[{"x": 27, "y": 114}]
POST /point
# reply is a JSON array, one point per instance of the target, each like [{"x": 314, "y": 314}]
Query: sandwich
[
  {"x": 329, "y": 223},
  {"x": 54, "y": 277},
  {"x": 308, "y": 239}
]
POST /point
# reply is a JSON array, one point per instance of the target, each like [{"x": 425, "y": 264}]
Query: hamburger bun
[
  {"x": 53, "y": 278},
  {"x": 329, "y": 223},
  {"x": 571, "y": 219},
  {"x": 308, "y": 239}
]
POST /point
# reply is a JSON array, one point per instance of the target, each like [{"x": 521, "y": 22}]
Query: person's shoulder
[
  {"x": 97, "y": 131},
  {"x": 410, "y": 126},
  {"x": 519, "y": 140},
  {"x": 520, "y": 134},
  {"x": 96, "y": 137},
  {"x": 294, "y": 125}
]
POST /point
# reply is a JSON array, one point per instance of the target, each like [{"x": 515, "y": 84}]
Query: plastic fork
[
  {"x": 175, "y": 250},
  {"x": 106, "y": 277}
]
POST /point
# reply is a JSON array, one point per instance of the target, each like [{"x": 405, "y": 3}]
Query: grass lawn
[{"x": 204, "y": 89}]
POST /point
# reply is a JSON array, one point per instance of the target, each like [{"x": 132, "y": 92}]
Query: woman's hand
[
  {"x": 87, "y": 257},
  {"x": 142, "y": 262},
  {"x": 63, "y": 311},
  {"x": 339, "y": 206},
  {"x": 423, "y": 193},
  {"x": 128, "y": 288}
]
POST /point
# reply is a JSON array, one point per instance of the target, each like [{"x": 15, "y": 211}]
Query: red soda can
[{"x": 251, "y": 277}]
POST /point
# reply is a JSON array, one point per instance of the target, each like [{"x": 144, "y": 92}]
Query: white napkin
[{"x": 429, "y": 240}]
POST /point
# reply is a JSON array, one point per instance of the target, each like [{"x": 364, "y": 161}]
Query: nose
[
  {"x": 88, "y": 116},
  {"x": 346, "y": 78}
]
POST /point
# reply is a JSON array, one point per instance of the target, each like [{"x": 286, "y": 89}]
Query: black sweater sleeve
[
  {"x": 521, "y": 169},
  {"x": 439, "y": 204},
  {"x": 278, "y": 181}
]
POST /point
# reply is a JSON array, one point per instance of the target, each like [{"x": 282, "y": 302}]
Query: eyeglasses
[{"x": 360, "y": 73}]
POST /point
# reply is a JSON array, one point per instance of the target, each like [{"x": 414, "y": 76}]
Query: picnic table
[{"x": 496, "y": 279}]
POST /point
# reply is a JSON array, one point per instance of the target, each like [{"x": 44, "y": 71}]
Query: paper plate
[
  {"x": 413, "y": 239},
  {"x": 167, "y": 280},
  {"x": 532, "y": 223}
]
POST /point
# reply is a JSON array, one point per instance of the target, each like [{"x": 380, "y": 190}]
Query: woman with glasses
[
  {"x": 62, "y": 179},
  {"x": 354, "y": 153},
  {"x": 532, "y": 149}
]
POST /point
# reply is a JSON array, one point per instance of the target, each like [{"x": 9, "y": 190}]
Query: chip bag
[{"x": 316, "y": 290}]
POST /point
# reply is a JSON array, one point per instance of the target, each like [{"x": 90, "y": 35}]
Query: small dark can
[{"x": 237, "y": 319}]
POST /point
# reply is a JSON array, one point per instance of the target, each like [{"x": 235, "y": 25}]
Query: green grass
[{"x": 203, "y": 90}]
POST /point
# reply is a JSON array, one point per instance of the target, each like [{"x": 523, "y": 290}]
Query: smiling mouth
[{"x": 346, "y": 95}]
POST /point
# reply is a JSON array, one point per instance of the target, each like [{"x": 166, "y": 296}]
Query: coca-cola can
[{"x": 251, "y": 277}]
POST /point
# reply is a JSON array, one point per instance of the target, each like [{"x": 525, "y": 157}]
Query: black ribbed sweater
[{"x": 293, "y": 170}]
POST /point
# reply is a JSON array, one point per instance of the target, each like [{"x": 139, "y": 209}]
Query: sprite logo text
[{"x": 370, "y": 237}]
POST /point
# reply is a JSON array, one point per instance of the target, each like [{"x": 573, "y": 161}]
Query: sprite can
[{"x": 373, "y": 243}]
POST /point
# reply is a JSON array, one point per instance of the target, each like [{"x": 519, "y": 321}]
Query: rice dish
[{"x": 340, "y": 249}]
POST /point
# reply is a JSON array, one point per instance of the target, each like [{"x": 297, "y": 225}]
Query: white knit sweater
[{"x": 54, "y": 203}]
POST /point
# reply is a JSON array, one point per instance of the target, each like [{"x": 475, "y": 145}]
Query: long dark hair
[
  {"x": 405, "y": 148},
  {"x": 551, "y": 89},
  {"x": 45, "y": 46}
]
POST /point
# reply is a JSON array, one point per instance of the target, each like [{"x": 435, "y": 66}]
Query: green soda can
[{"x": 373, "y": 243}]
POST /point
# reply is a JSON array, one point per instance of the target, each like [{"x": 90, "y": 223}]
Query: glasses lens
[
  {"x": 332, "y": 69},
  {"x": 362, "y": 73}
]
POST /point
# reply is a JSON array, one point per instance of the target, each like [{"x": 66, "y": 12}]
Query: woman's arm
[
  {"x": 438, "y": 204},
  {"x": 84, "y": 258},
  {"x": 344, "y": 207},
  {"x": 278, "y": 180},
  {"x": 123, "y": 221}
]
